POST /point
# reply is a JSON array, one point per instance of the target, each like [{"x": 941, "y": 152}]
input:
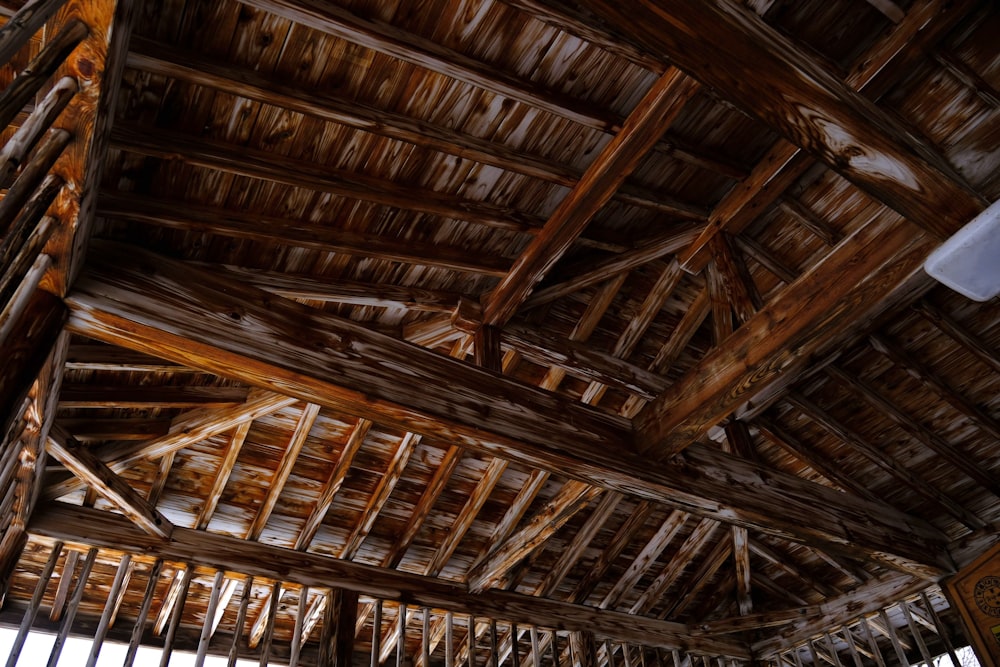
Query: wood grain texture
[
  {"x": 222, "y": 552},
  {"x": 133, "y": 299}
]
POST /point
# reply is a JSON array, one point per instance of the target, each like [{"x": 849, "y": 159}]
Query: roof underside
[{"x": 781, "y": 411}]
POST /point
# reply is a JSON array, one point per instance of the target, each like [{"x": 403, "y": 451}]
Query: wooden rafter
[{"x": 444, "y": 409}]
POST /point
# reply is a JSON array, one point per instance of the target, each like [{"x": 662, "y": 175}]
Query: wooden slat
[
  {"x": 90, "y": 396},
  {"x": 594, "y": 273},
  {"x": 217, "y": 551},
  {"x": 644, "y": 126},
  {"x": 524, "y": 424},
  {"x": 36, "y": 600},
  {"x": 17, "y": 149},
  {"x": 644, "y": 559},
  {"x": 109, "y": 608},
  {"x": 72, "y": 607},
  {"x": 691, "y": 546},
  {"x": 85, "y": 465}
]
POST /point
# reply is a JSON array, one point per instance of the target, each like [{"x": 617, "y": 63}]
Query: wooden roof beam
[
  {"x": 658, "y": 108},
  {"x": 204, "y": 549},
  {"x": 160, "y": 306},
  {"x": 156, "y": 58},
  {"x": 85, "y": 465},
  {"x": 812, "y": 108},
  {"x": 253, "y": 226}
]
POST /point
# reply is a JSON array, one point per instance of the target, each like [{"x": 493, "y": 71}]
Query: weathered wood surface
[
  {"x": 763, "y": 71},
  {"x": 805, "y": 319},
  {"x": 85, "y": 465},
  {"x": 221, "y": 552},
  {"x": 661, "y": 105},
  {"x": 338, "y": 366}
]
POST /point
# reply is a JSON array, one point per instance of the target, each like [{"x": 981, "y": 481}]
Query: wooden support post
[
  {"x": 893, "y": 637},
  {"x": 487, "y": 348},
  {"x": 71, "y": 608},
  {"x": 206, "y": 627},
  {"x": 942, "y": 631},
  {"x": 272, "y": 614},
  {"x": 300, "y": 614},
  {"x": 140, "y": 620},
  {"x": 109, "y": 608},
  {"x": 241, "y": 617},
  {"x": 535, "y": 648},
  {"x": 36, "y": 600},
  {"x": 177, "y": 615},
  {"x": 401, "y": 635},
  {"x": 17, "y": 149},
  {"x": 425, "y": 636},
  {"x": 449, "y": 640},
  {"x": 915, "y": 631},
  {"x": 376, "y": 634}
]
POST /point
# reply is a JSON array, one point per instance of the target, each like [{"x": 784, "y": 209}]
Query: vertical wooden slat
[
  {"x": 921, "y": 646},
  {"x": 74, "y": 604},
  {"x": 293, "y": 659},
  {"x": 515, "y": 651},
  {"x": 109, "y": 608},
  {"x": 941, "y": 629},
  {"x": 401, "y": 636},
  {"x": 425, "y": 636},
  {"x": 241, "y": 617},
  {"x": 893, "y": 637},
  {"x": 175, "y": 617},
  {"x": 494, "y": 653},
  {"x": 554, "y": 645},
  {"x": 36, "y": 601},
  {"x": 140, "y": 621},
  {"x": 65, "y": 583},
  {"x": 852, "y": 647},
  {"x": 376, "y": 633},
  {"x": 876, "y": 653},
  {"x": 347, "y": 615},
  {"x": 535, "y": 648},
  {"x": 833, "y": 650},
  {"x": 275, "y": 603},
  {"x": 449, "y": 640},
  {"x": 206, "y": 628}
]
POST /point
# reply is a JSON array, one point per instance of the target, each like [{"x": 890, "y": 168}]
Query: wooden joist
[
  {"x": 204, "y": 320},
  {"x": 221, "y": 552}
]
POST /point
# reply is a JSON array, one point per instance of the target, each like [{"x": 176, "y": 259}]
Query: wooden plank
[
  {"x": 918, "y": 431},
  {"x": 524, "y": 424},
  {"x": 241, "y": 617},
  {"x": 952, "y": 328},
  {"x": 659, "y": 107},
  {"x": 280, "y": 230},
  {"x": 741, "y": 556},
  {"x": 691, "y": 546},
  {"x": 85, "y": 465},
  {"x": 809, "y": 316},
  {"x": 206, "y": 626},
  {"x": 622, "y": 538},
  {"x": 221, "y": 552},
  {"x": 18, "y": 148},
  {"x": 270, "y": 166},
  {"x": 142, "y": 613}
]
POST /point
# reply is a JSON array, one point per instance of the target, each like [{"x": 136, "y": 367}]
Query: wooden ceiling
[{"x": 615, "y": 306}]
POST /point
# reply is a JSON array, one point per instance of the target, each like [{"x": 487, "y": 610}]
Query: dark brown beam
[
  {"x": 157, "y": 58},
  {"x": 266, "y": 165},
  {"x": 278, "y": 230},
  {"x": 658, "y": 108},
  {"x": 86, "y": 396},
  {"x": 163, "y": 307},
  {"x": 763, "y": 72},
  {"x": 803, "y": 322},
  {"x": 220, "y": 552}
]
